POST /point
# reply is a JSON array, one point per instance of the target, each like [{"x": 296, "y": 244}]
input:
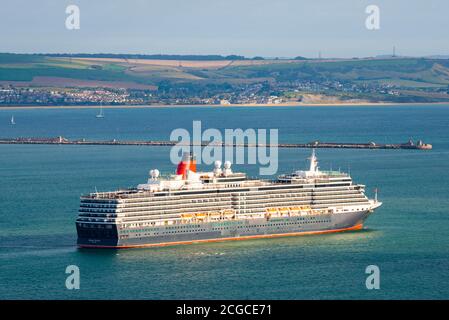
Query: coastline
[{"x": 271, "y": 105}]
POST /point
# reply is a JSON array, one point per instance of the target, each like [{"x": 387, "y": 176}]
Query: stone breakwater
[{"x": 315, "y": 144}]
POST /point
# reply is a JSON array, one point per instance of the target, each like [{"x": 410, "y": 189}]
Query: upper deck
[{"x": 222, "y": 180}]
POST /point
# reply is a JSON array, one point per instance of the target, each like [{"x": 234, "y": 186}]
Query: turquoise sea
[{"x": 407, "y": 238}]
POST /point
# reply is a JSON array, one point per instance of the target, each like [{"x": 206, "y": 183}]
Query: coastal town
[{"x": 180, "y": 94}]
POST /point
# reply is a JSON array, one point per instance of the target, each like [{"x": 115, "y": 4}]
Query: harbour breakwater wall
[{"x": 419, "y": 145}]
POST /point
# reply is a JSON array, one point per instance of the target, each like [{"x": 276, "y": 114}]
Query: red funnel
[{"x": 188, "y": 162}]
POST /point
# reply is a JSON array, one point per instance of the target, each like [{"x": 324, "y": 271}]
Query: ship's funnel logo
[
  {"x": 250, "y": 146},
  {"x": 188, "y": 162}
]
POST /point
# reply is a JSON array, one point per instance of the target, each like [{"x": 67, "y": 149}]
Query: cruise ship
[{"x": 193, "y": 207}]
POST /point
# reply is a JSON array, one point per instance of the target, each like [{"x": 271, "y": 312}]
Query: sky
[{"x": 268, "y": 28}]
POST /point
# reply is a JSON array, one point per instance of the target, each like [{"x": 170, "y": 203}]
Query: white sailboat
[
  {"x": 101, "y": 114},
  {"x": 12, "y": 120}
]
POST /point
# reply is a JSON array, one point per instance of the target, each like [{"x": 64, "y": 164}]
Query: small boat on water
[
  {"x": 12, "y": 120},
  {"x": 101, "y": 114}
]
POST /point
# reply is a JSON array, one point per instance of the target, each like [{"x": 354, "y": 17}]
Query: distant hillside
[
  {"x": 147, "y": 56},
  {"x": 376, "y": 79}
]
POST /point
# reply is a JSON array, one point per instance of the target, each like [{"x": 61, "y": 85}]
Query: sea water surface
[{"x": 407, "y": 238}]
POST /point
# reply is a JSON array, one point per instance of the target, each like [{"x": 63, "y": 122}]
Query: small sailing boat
[
  {"x": 12, "y": 120},
  {"x": 101, "y": 114}
]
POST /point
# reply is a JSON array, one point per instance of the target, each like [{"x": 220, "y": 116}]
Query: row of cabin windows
[
  {"x": 95, "y": 226},
  {"x": 183, "y": 228}
]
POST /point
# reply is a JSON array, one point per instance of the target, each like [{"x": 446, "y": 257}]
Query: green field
[{"x": 399, "y": 71}]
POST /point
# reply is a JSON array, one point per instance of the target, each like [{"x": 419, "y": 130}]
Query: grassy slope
[
  {"x": 404, "y": 72},
  {"x": 424, "y": 70},
  {"x": 21, "y": 69}
]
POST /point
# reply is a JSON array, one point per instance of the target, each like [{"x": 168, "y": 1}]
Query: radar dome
[{"x": 154, "y": 173}]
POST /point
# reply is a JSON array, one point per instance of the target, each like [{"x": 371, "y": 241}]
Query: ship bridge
[{"x": 313, "y": 174}]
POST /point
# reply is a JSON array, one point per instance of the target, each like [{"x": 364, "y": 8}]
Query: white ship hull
[{"x": 233, "y": 230}]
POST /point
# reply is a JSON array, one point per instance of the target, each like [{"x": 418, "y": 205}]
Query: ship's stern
[{"x": 91, "y": 235}]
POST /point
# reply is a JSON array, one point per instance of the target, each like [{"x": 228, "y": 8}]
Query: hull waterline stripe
[{"x": 275, "y": 235}]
